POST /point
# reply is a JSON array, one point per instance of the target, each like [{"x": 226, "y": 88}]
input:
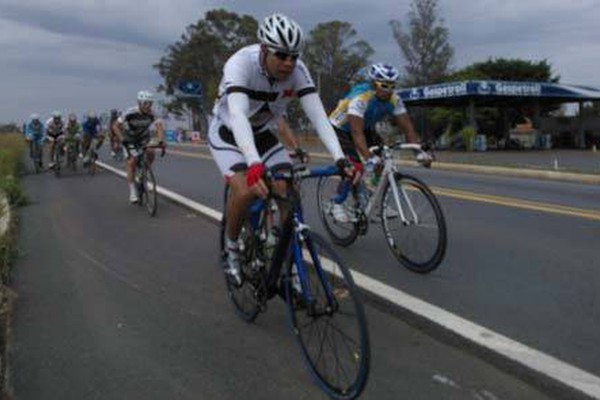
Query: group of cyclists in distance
[{"x": 128, "y": 132}]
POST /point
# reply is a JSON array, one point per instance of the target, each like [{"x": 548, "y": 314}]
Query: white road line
[{"x": 545, "y": 364}]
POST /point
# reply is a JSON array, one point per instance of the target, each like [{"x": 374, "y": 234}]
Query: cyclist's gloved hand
[
  {"x": 300, "y": 154},
  {"x": 254, "y": 180},
  {"x": 424, "y": 159},
  {"x": 352, "y": 170},
  {"x": 372, "y": 162},
  {"x": 426, "y": 146},
  {"x": 255, "y": 174}
]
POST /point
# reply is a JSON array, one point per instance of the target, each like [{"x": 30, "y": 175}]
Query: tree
[
  {"x": 333, "y": 54},
  {"x": 199, "y": 55},
  {"x": 425, "y": 46},
  {"x": 504, "y": 69}
]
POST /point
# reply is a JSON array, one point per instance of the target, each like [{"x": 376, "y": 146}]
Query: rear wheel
[
  {"x": 329, "y": 323},
  {"x": 244, "y": 296},
  {"x": 57, "y": 159},
  {"x": 342, "y": 232},
  {"x": 92, "y": 162},
  {"x": 419, "y": 242}
]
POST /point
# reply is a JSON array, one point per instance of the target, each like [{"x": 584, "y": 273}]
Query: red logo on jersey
[{"x": 288, "y": 93}]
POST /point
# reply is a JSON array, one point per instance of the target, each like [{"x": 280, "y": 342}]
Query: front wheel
[
  {"x": 72, "y": 158},
  {"x": 92, "y": 162},
  {"x": 57, "y": 159},
  {"x": 37, "y": 157},
  {"x": 343, "y": 225},
  {"x": 149, "y": 185},
  {"x": 413, "y": 223},
  {"x": 328, "y": 319}
]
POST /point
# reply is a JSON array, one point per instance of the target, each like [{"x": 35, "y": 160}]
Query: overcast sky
[{"x": 96, "y": 54}]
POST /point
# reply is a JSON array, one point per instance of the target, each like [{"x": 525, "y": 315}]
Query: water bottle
[{"x": 370, "y": 174}]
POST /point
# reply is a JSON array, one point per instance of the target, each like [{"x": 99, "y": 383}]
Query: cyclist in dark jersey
[
  {"x": 91, "y": 130},
  {"x": 133, "y": 129}
]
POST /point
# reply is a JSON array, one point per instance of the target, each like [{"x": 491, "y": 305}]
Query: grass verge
[{"x": 12, "y": 148}]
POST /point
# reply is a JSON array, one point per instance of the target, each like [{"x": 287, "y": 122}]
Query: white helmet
[
  {"x": 383, "y": 72},
  {"x": 56, "y": 114},
  {"x": 144, "y": 95},
  {"x": 91, "y": 114},
  {"x": 34, "y": 117},
  {"x": 281, "y": 32}
]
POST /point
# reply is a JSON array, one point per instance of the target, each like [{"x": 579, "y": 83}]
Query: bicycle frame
[
  {"x": 294, "y": 231},
  {"x": 388, "y": 174}
]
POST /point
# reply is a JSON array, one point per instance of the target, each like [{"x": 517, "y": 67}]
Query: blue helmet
[{"x": 383, "y": 72}]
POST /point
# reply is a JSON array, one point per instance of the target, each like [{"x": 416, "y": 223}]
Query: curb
[
  {"x": 533, "y": 173},
  {"x": 502, "y": 171},
  {"x": 523, "y": 173}
]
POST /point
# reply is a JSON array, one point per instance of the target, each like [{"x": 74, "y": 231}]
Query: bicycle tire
[
  {"x": 342, "y": 234},
  {"x": 57, "y": 160},
  {"x": 429, "y": 233},
  {"x": 92, "y": 162},
  {"x": 242, "y": 296},
  {"x": 351, "y": 359},
  {"x": 72, "y": 158},
  {"x": 149, "y": 185},
  {"x": 37, "y": 158}
]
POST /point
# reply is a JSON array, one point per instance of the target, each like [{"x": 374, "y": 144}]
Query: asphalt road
[
  {"x": 521, "y": 260},
  {"x": 113, "y": 304}
]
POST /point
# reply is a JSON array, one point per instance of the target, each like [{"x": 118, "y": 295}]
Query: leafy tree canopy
[
  {"x": 507, "y": 70},
  {"x": 201, "y": 52},
  {"x": 333, "y": 54}
]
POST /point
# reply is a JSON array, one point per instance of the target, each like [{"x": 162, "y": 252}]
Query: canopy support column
[
  {"x": 580, "y": 130},
  {"x": 471, "y": 114}
]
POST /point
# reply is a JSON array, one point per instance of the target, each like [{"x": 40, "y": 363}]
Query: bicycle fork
[
  {"x": 308, "y": 292},
  {"x": 397, "y": 193}
]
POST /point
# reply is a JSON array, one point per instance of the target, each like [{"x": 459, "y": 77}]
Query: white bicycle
[{"x": 410, "y": 215}]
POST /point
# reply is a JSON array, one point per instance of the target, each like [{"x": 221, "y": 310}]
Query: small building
[{"x": 531, "y": 96}]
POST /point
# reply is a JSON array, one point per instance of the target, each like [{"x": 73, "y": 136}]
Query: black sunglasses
[{"x": 282, "y": 55}]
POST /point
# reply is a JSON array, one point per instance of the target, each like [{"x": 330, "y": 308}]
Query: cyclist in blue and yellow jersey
[
  {"x": 91, "y": 130},
  {"x": 366, "y": 104},
  {"x": 34, "y": 133}
]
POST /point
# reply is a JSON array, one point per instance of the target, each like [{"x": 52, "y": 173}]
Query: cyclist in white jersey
[
  {"x": 133, "y": 130},
  {"x": 258, "y": 83},
  {"x": 55, "y": 130}
]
